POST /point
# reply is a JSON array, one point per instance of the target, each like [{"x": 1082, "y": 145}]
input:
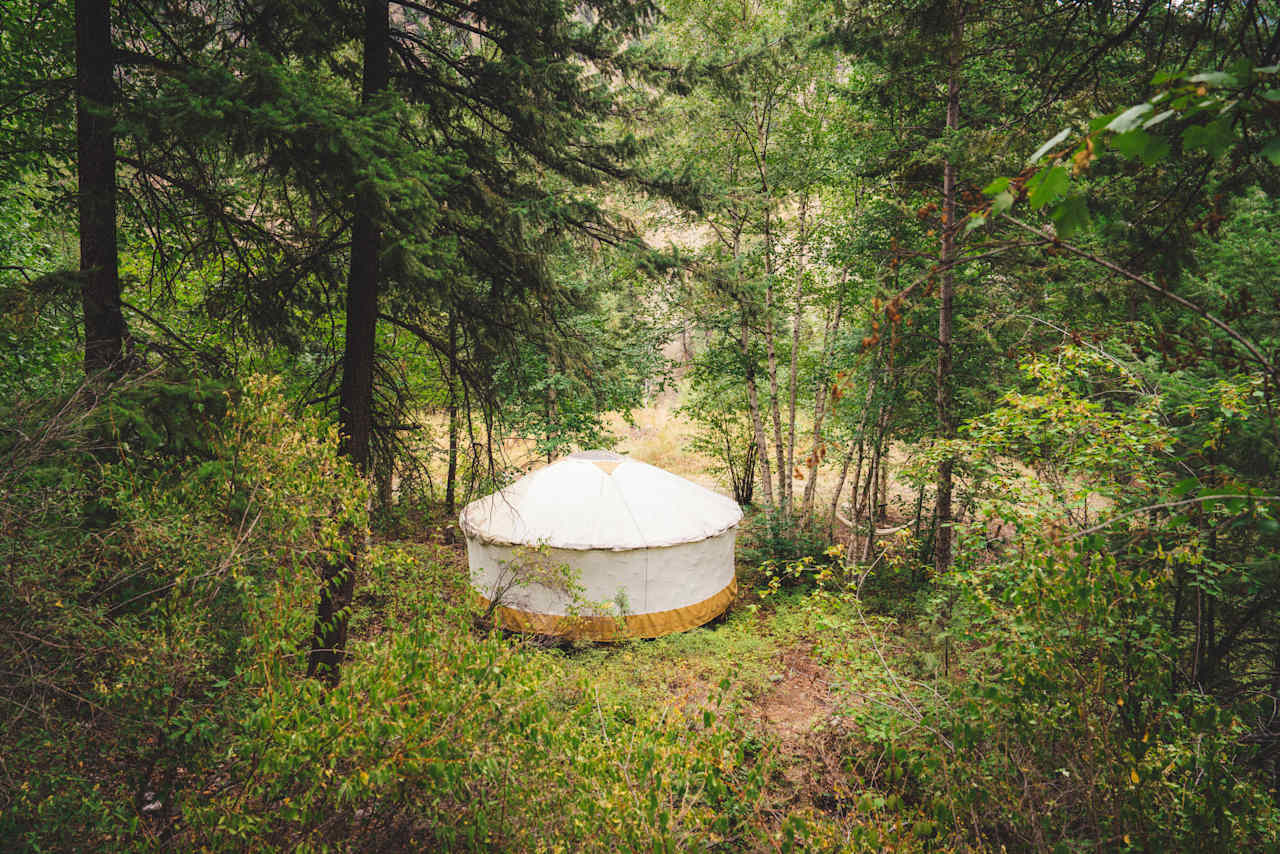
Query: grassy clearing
[{"x": 798, "y": 680}]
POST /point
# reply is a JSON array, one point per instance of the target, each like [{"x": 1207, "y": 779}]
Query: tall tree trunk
[
  {"x": 875, "y": 480},
  {"x": 863, "y": 508},
  {"x": 784, "y": 476},
  {"x": 760, "y": 154},
  {"x": 104, "y": 328},
  {"x": 797, "y": 318},
  {"x": 771, "y": 355},
  {"x": 821, "y": 395},
  {"x": 855, "y": 449},
  {"x": 835, "y": 498},
  {"x": 355, "y": 417},
  {"x": 451, "y": 477},
  {"x": 549, "y": 403},
  {"x": 946, "y": 416},
  {"x": 757, "y": 421},
  {"x": 882, "y": 502}
]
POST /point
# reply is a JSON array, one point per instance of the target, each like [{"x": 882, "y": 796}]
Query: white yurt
[{"x": 600, "y": 546}]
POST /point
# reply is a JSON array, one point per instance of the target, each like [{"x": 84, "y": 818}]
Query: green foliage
[
  {"x": 717, "y": 404},
  {"x": 766, "y": 536},
  {"x": 1099, "y": 671},
  {"x": 192, "y": 573},
  {"x": 156, "y": 686},
  {"x": 439, "y": 739},
  {"x": 814, "y": 572},
  {"x": 604, "y": 356},
  {"x": 1212, "y": 112},
  {"x": 37, "y": 323},
  {"x": 1073, "y": 724}
]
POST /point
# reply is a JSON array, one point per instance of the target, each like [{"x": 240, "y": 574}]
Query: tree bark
[
  {"x": 104, "y": 327},
  {"x": 942, "y": 557},
  {"x": 821, "y": 395},
  {"x": 855, "y": 448},
  {"x": 882, "y": 501},
  {"x": 450, "y": 491},
  {"x": 771, "y": 354},
  {"x": 355, "y": 417},
  {"x": 551, "y": 431},
  {"x": 757, "y": 421},
  {"x": 865, "y": 502},
  {"x": 875, "y": 480},
  {"x": 764, "y": 120},
  {"x": 797, "y": 317}
]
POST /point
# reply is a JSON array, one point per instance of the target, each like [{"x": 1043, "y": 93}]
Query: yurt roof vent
[{"x": 597, "y": 455}]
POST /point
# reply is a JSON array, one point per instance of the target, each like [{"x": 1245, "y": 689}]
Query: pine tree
[{"x": 104, "y": 327}]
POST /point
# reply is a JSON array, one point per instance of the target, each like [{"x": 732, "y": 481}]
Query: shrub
[
  {"x": 155, "y": 685},
  {"x": 1054, "y": 712}
]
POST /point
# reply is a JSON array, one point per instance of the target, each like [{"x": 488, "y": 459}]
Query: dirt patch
[
  {"x": 797, "y": 711},
  {"x": 799, "y": 696}
]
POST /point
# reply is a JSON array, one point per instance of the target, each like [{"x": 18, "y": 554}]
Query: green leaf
[
  {"x": 1157, "y": 119},
  {"x": 1157, "y": 149},
  {"x": 1070, "y": 216},
  {"x": 1131, "y": 144},
  {"x": 1049, "y": 185},
  {"x": 1214, "y": 137},
  {"x": 974, "y": 223},
  {"x": 1215, "y": 78},
  {"x": 1097, "y": 123},
  {"x": 1130, "y": 118},
  {"x": 1271, "y": 151},
  {"x": 999, "y": 185},
  {"x": 1162, "y": 77},
  {"x": 1184, "y": 486},
  {"x": 1272, "y": 95},
  {"x": 1001, "y": 203},
  {"x": 1050, "y": 145}
]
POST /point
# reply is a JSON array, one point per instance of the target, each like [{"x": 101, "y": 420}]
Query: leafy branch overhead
[{"x": 1212, "y": 114}]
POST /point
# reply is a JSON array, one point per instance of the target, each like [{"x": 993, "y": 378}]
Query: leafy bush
[
  {"x": 1058, "y": 715},
  {"x": 135, "y": 634},
  {"x": 768, "y": 536},
  {"x": 156, "y": 697}
]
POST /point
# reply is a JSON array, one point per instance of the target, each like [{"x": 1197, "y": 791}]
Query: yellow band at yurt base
[{"x": 606, "y": 628}]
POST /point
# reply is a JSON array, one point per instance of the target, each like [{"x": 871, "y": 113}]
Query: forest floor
[{"x": 799, "y": 668}]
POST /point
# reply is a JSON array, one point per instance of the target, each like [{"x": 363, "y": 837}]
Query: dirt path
[{"x": 798, "y": 711}]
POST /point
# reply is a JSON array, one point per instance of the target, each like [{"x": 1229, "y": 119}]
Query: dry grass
[{"x": 660, "y": 436}]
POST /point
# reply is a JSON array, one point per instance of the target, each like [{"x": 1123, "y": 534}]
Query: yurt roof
[{"x": 600, "y": 500}]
